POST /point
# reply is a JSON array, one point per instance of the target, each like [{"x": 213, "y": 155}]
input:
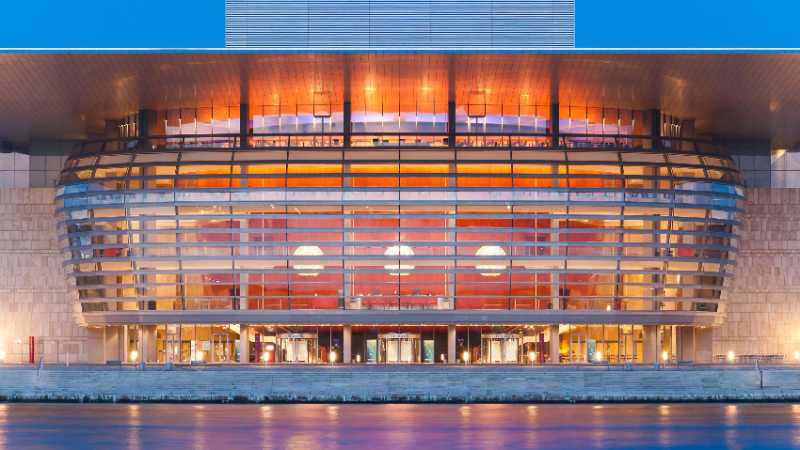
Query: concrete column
[
  {"x": 451, "y": 123},
  {"x": 554, "y": 125},
  {"x": 124, "y": 348},
  {"x": 650, "y": 344},
  {"x": 244, "y": 124},
  {"x": 244, "y": 344},
  {"x": 347, "y": 343},
  {"x": 451, "y": 344},
  {"x": 146, "y": 123},
  {"x": 347, "y": 107},
  {"x": 555, "y": 345},
  {"x": 655, "y": 127},
  {"x": 451, "y": 102},
  {"x": 347, "y": 117}
]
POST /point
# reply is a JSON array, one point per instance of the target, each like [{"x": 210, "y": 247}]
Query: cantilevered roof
[{"x": 67, "y": 95}]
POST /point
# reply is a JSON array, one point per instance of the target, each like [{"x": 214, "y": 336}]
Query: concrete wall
[
  {"x": 397, "y": 383},
  {"x": 763, "y": 298},
  {"x": 36, "y": 298}
]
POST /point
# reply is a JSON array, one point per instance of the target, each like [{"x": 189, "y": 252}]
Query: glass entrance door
[
  {"x": 172, "y": 348},
  {"x": 627, "y": 345},
  {"x": 297, "y": 347},
  {"x": 399, "y": 348},
  {"x": 220, "y": 348},
  {"x": 578, "y": 346},
  {"x": 500, "y": 348}
]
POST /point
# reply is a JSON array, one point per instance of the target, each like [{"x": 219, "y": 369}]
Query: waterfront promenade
[{"x": 340, "y": 383}]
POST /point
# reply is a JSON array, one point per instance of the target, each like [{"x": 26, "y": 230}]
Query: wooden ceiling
[{"x": 67, "y": 95}]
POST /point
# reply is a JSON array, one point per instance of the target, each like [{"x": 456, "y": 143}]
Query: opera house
[{"x": 409, "y": 207}]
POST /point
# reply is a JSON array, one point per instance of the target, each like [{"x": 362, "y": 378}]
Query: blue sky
[{"x": 200, "y": 23}]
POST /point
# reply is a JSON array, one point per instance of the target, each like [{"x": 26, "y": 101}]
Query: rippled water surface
[{"x": 398, "y": 426}]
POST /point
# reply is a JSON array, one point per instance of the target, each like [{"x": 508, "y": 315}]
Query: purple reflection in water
[{"x": 398, "y": 426}]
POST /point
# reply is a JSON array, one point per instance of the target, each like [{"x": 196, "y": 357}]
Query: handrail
[{"x": 566, "y": 141}]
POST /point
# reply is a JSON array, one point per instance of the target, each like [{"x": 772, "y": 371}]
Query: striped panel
[
  {"x": 620, "y": 230},
  {"x": 436, "y": 24}
]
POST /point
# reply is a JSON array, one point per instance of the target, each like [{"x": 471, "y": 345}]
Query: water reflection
[{"x": 398, "y": 426}]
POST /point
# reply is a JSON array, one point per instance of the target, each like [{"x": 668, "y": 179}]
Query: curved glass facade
[{"x": 591, "y": 229}]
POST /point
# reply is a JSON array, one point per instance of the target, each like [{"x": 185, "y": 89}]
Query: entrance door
[
  {"x": 372, "y": 350},
  {"x": 399, "y": 348},
  {"x": 220, "y": 348},
  {"x": 298, "y": 347},
  {"x": 500, "y": 348},
  {"x": 578, "y": 347},
  {"x": 428, "y": 355},
  {"x": 172, "y": 348},
  {"x": 627, "y": 347},
  {"x": 297, "y": 351}
]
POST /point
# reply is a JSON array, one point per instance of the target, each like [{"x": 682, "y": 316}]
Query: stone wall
[
  {"x": 763, "y": 298},
  {"x": 36, "y": 298},
  {"x": 397, "y": 383}
]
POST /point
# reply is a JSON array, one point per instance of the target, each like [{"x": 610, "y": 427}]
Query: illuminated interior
[
  {"x": 595, "y": 230},
  {"x": 532, "y": 232}
]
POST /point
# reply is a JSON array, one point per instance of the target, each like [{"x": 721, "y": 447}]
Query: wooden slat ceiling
[{"x": 47, "y": 96}]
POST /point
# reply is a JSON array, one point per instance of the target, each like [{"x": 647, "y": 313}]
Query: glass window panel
[
  {"x": 428, "y": 175},
  {"x": 533, "y": 175},
  {"x": 314, "y": 175},
  {"x": 364, "y": 175},
  {"x": 498, "y": 175}
]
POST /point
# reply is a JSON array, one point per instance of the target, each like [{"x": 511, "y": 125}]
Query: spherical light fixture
[
  {"x": 308, "y": 270},
  {"x": 493, "y": 270},
  {"x": 398, "y": 250}
]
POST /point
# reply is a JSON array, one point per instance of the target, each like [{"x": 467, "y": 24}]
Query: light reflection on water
[{"x": 398, "y": 426}]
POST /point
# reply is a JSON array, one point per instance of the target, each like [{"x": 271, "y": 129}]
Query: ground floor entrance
[{"x": 401, "y": 344}]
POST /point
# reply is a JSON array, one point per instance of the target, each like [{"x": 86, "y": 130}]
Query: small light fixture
[
  {"x": 442, "y": 357},
  {"x": 532, "y": 357},
  {"x": 598, "y": 356},
  {"x": 2, "y": 356},
  {"x": 665, "y": 356},
  {"x": 332, "y": 356},
  {"x": 308, "y": 250},
  {"x": 608, "y": 307},
  {"x": 797, "y": 355},
  {"x": 493, "y": 270},
  {"x": 134, "y": 355},
  {"x": 396, "y": 269},
  {"x": 270, "y": 347},
  {"x": 465, "y": 357},
  {"x": 358, "y": 358},
  {"x": 731, "y": 356}
]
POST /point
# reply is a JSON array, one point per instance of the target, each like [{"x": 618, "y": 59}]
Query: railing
[{"x": 396, "y": 140}]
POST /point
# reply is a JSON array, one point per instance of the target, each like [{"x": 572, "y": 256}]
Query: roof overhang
[{"x": 64, "y": 95}]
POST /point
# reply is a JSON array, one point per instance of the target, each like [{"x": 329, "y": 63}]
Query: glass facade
[
  {"x": 382, "y": 233},
  {"x": 605, "y": 230}
]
